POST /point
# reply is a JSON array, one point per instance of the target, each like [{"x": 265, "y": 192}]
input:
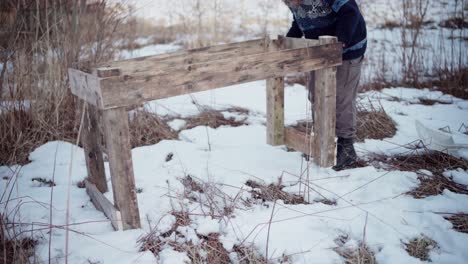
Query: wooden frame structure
[{"x": 112, "y": 89}]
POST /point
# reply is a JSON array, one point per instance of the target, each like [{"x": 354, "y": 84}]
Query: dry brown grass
[
  {"x": 215, "y": 118},
  {"x": 459, "y": 222},
  {"x": 22, "y": 131},
  {"x": 374, "y": 123},
  {"x": 434, "y": 162},
  {"x": 209, "y": 249},
  {"x": 248, "y": 255},
  {"x": 421, "y": 247},
  {"x": 354, "y": 255},
  {"x": 273, "y": 192},
  {"x": 17, "y": 251},
  {"x": 147, "y": 128}
]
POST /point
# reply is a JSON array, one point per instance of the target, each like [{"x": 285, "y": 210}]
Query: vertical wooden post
[
  {"x": 117, "y": 133},
  {"x": 275, "y": 104},
  {"x": 91, "y": 140},
  {"x": 324, "y": 109}
]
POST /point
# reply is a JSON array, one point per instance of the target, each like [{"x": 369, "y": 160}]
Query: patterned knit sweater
[{"x": 340, "y": 18}]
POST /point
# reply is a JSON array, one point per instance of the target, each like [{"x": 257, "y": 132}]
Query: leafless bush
[
  {"x": 17, "y": 251},
  {"x": 44, "y": 39}
]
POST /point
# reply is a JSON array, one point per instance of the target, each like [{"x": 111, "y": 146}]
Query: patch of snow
[
  {"x": 177, "y": 124},
  {"x": 459, "y": 176}
]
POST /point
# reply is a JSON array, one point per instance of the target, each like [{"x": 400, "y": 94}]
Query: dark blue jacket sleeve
[
  {"x": 295, "y": 31},
  {"x": 347, "y": 20}
]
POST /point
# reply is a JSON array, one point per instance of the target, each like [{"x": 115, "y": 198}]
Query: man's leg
[{"x": 348, "y": 76}]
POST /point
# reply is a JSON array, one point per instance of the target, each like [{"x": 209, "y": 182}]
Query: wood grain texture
[
  {"x": 104, "y": 205},
  {"x": 297, "y": 43},
  {"x": 143, "y": 65},
  {"x": 297, "y": 140},
  {"x": 154, "y": 84},
  {"x": 91, "y": 141},
  {"x": 325, "y": 113},
  {"x": 275, "y": 111},
  {"x": 117, "y": 133},
  {"x": 275, "y": 103},
  {"x": 85, "y": 86}
]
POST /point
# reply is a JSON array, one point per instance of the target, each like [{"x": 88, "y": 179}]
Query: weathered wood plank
[
  {"x": 104, "y": 205},
  {"x": 91, "y": 140},
  {"x": 129, "y": 90},
  {"x": 297, "y": 140},
  {"x": 117, "y": 133},
  {"x": 324, "y": 110},
  {"x": 85, "y": 86},
  {"x": 151, "y": 63},
  {"x": 275, "y": 111},
  {"x": 275, "y": 103},
  {"x": 297, "y": 43}
]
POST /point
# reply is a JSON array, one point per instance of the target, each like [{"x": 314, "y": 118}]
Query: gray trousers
[{"x": 347, "y": 83}]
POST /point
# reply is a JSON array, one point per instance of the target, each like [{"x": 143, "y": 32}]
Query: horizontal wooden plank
[
  {"x": 154, "y": 84},
  {"x": 104, "y": 205},
  {"x": 85, "y": 86},
  {"x": 144, "y": 65},
  {"x": 297, "y": 140},
  {"x": 297, "y": 43}
]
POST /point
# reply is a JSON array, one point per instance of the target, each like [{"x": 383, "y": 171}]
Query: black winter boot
[{"x": 346, "y": 155}]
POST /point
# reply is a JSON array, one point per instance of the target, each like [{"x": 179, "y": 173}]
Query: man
[{"x": 340, "y": 18}]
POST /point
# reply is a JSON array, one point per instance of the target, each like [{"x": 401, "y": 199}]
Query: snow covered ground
[
  {"x": 368, "y": 200},
  {"x": 371, "y": 203}
]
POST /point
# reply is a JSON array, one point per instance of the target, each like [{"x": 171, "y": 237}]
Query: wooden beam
[
  {"x": 297, "y": 140},
  {"x": 154, "y": 84},
  {"x": 85, "y": 86},
  {"x": 297, "y": 43},
  {"x": 117, "y": 134},
  {"x": 135, "y": 66},
  {"x": 91, "y": 140},
  {"x": 275, "y": 104},
  {"x": 104, "y": 205},
  {"x": 324, "y": 111}
]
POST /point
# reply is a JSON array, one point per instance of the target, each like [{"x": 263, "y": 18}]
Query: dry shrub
[
  {"x": 356, "y": 255},
  {"x": 18, "y": 251},
  {"x": 214, "y": 201},
  {"x": 434, "y": 162},
  {"x": 147, "y": 128},
  {"x": 208, "y": 250},
  {"x": 374, "y": 123},
  {"x": 38, "y": 47},
  {"x": 215, "y": 118},
  {"x": 451, "y": 81},
  {"x": 459, "y": 222},
  {"x": 454, "y": 23},
  {"x": 429, "y": 102},
  {"x": 273, "y": 192},
  {"x": 420, "y": 247},
  {"x": 248, "y": 255}
]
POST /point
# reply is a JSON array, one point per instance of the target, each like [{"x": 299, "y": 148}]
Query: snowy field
[
  {"x": 227, "y": 158},
  {"x": 372, "y": 204}
]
